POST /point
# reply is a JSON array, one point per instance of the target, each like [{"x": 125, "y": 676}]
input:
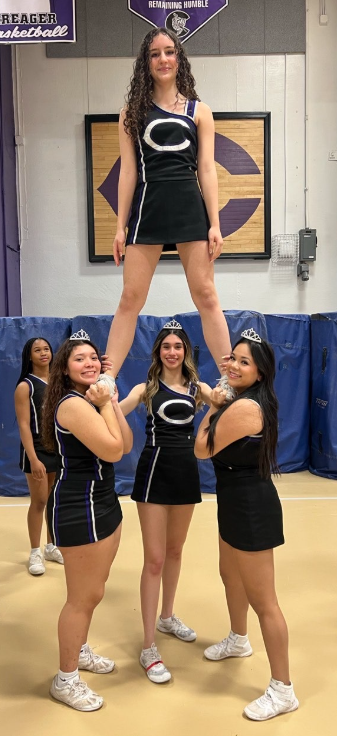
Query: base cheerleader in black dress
[{"x": 241, "y": 439}]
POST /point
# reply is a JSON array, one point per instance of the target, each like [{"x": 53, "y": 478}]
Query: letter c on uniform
[{"x": 156, "y": 146}]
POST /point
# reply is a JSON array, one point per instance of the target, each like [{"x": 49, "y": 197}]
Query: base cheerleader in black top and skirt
[
  {"x": 83, "y": 506},
  {"x": 249, "y": 509},
  {"x": 167, "y": 206},
  {"x": 167, "y": 471}
]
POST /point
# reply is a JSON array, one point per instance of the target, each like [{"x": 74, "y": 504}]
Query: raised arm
[
  {"x": 126, "y": 187},
  {"x": 133, "y": 399},
  {"x": 126, "y": 431},
  {"x": 208, "y": 177},
  {"x": 22, "y": 410},
  {"x": 242, "y": 418}
]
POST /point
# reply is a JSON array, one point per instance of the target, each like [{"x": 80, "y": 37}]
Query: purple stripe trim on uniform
[
  {"x": 191, "y": 108},
  {"x": 87, "y": 505},
  {"x": 149, "y": 472},
  {"x": 65, "y": 459},
  {"x": 138, "y": 209},
  {"x": 174, "y": 114},
  {"x": 176, "y": 393},
  {"x": 56, "y": 511}
]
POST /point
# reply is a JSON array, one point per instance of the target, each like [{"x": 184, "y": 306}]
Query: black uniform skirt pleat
[
  {"x": 167, "y": 213},
  {"x": 82, "y": 512},
  {"x": 167, "y": 475}
]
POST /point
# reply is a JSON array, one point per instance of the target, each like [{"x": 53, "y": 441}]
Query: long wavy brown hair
[
  {"x": 263, "y": 392},
  {"x": 59, "y": 385},
  {"x": 138, "y": 100},
  {"x": 188, "y": 368}
]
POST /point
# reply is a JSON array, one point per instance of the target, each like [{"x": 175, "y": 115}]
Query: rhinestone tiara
[
  {"x": 251, "y": 335},
  {"x": 173, "y": 325},
  {"x": 80, "y": 335}
]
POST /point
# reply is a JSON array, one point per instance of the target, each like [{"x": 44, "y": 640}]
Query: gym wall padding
[
  {"x": 289, "y": 335},
  {"x": 323, "y": 450},
  {"x": 14, "y": 333}
]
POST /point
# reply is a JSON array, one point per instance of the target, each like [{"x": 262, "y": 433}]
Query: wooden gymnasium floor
[{"x": 203, "y": 697}]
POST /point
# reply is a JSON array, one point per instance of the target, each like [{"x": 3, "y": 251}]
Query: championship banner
[
  {"x": 183, "y": 17},
  {"x": 37, "y": 21}
]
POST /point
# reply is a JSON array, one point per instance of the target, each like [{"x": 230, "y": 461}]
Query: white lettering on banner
[
  {"x": 59, "y": 31},
  {"x": 156, "y": 146},
  {"x": 165, "y": 5},
  {"x": 8, "y": 19}
]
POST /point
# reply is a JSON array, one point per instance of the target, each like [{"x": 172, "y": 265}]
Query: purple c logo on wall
[
  {"x": 231, "y": 157},
  {"x": 183, "y": 17}
]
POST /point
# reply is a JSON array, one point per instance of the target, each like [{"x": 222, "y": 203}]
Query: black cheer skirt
[
  {"x": 249, "y": 512},
  {"x": 166, "y": 213},
  {"x": 168, "y": 476},
  {"x": 82, "y": 512}
]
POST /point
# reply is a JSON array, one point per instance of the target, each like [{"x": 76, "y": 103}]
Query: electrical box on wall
[{"x": 307, "y": 245}]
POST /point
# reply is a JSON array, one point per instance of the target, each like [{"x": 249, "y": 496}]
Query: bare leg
[
  {"x": 257, "y": 575},
  {"x": 179, "y": 519},
  {"x": 51, "y": 478},
  {"x": 38, "y": 490},
  {"x": 153, "y": 522},
  {"x": 139, "y": 267},
  {"x": 200, "y": 277},
  {"x": 237, "y": 600},
  {"x": 87, "y": 569}
]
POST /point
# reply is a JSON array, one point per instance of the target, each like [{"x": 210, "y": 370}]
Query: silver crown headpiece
[
  {"x": 173, "y": 325},
  {"x": 251, "y": 335},
  {"x": 80, "y": 335}
]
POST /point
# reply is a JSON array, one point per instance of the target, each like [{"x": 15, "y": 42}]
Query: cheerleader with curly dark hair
[{"x": 168, "y": 191}]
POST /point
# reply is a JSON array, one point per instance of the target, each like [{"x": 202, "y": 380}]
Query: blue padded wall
[
  {"x": 289, "y": 335},
  {"x": 323, "y": 451},
  {"x": 14, "y": 332}
]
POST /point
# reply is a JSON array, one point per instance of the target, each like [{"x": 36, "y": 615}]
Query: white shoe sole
[
  {"x": 228, "y": 656},
  {"x": 253, "y": 717},
  {"x": 192, "y": 637},
  {"x": 75, "y": 707},
  {"x": 97, "y": 672}
]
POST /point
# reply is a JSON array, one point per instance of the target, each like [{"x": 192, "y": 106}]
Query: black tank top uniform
[
  {"x": 249, "y": 509},
  {"x": 37, "y": 387},
  {"x": 167, "y": 206},
  {"x": 83, "y": 506},
  {"x": 167, "y": 470}
]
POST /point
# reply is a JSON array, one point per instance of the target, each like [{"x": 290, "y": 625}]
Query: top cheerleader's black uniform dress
[
  {"x": 167, "y": 205},
  {"x": 167, "y": 470},
  {"x": 37, "y": 387},
  {"x": 249, "y": 509},
  {"x": 83, "y": 506}
]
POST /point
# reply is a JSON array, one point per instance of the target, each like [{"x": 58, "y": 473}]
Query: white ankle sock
[
  {"x": 49, "y": 547},
  {"x": 239, "y": 636},
  {"x": 166, "y": 619},
  {"x": 279, "y": 685},
  {"x": 63, "y": 678},
  {"x": 35, "y": 549}
]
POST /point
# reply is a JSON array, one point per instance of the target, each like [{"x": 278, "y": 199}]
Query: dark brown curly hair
[
  {"x": 59, "y": 385},
  {"x": 139, "y": 94}
]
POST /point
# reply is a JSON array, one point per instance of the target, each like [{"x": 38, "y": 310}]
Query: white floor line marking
[{"x": 204, "y": 500}]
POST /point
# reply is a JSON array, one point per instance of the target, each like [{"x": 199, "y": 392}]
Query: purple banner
[
  {"x": 183, "y": 17},
  {"x": 37, "y": 21}
]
